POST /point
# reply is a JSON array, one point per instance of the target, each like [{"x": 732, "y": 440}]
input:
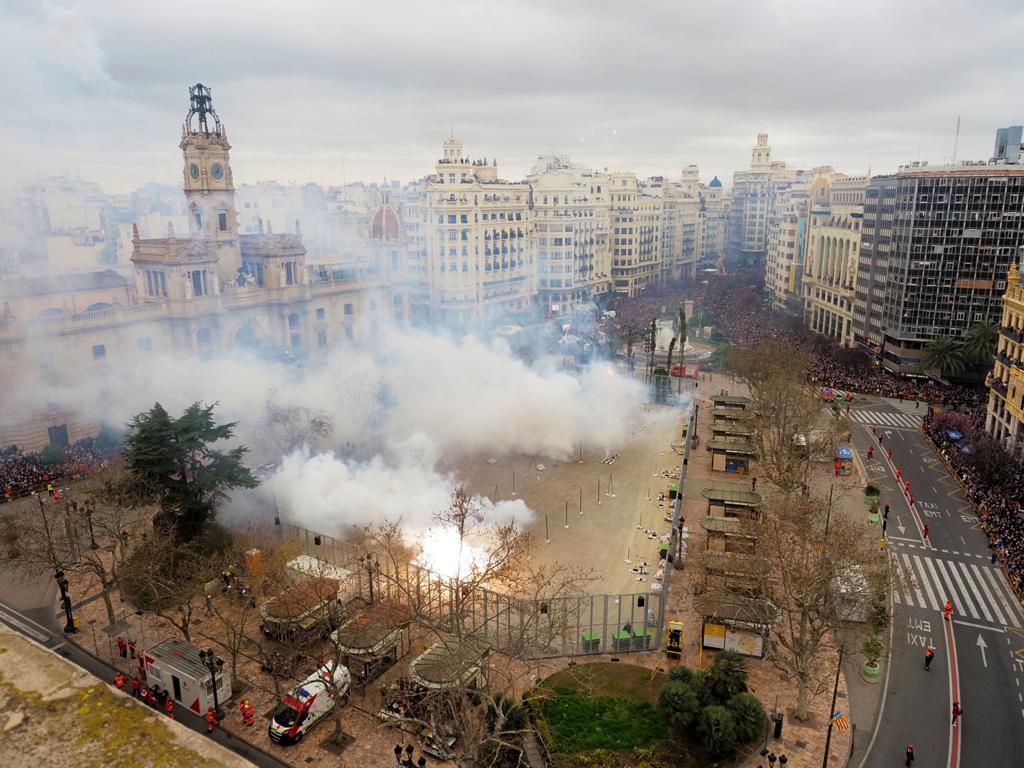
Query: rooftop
[
  {"x": 43, "y": 285},
  {"x": 735, "y": 496}
]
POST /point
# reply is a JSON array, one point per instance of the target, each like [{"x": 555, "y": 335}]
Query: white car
[{"x": 308, "y": 704}]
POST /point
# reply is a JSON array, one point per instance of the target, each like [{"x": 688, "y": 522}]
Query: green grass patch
[
  {"x": 600, "y": 706},
  {"x": 578, "y": 722}
]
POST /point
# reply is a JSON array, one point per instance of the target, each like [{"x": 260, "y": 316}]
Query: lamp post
[
  {"x": 58, "y": 574},
  {"x": 214, "y": 664},
  {"x": 831, "y": 719},
  {"x": 372, "y": 567},
  {"x": 88, "y": 510}
]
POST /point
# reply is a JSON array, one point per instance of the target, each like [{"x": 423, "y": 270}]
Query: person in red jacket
[
  {"x": 910, "y": 754},
  {"x": 119, "y": 681},
  {"x": 136, "y": 686},
  {"x": 211, "y": 720},
  {"x": 947, "y": 612},
  {"x": 957, "y": 711},
  {"x": 169, "y": 707}
]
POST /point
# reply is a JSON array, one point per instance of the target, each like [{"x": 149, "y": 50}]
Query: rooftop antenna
[{"x": 956, "y": 139}]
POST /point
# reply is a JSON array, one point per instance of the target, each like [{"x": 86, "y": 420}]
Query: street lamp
[
  {"x": 214, "y": 664},
  {"x": 58, "y": 574},
  {"x": 87, "y": 508},
  {"x": 371, "y": 565}
]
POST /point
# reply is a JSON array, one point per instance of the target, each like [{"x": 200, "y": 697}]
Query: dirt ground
[{"x": 609, "y": 507}]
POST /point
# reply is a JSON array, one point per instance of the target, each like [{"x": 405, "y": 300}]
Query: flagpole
[{"x": 832, "y": 712}]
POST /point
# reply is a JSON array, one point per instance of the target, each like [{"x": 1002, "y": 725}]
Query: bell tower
[{"x": 209, "y": 186}]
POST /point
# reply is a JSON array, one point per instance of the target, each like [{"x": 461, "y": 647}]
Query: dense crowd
[
  {"x": 995, "y": 486},
  {"x": 743, "y": 319},
  {"x": 22, "y": 473}
]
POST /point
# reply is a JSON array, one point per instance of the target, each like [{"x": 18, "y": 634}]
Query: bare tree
[
  {"x": 89, "y": 531},
  {"x": 821, "y": 569},
  {"x": 289, "y": 427},
  {"x": 790, "y": 425},
  {"x": 534, "y": 607}
]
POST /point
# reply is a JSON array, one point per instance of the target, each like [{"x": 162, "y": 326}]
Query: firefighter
[
  {"x": 947, "y": 612},
  {"x": 871, "y": 452},
  {"x": 136, "y": 686},
  {"x": 151, "y": 698},
  {"x": 211, "y": 720},
  {"x": 131, "y": 648},
  {"x": 144, "y": 693},
  {"x": 929, "y": 655},
  {"x": 957, "y": 711},
  {"x": 119, "y": 681},
  {"x": 248, "y": 714},
  {"x": 122, "y": 647},
  {"x": 169, "y": 707}
]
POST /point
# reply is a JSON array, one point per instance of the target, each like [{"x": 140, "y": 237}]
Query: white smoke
[{"x": 412, "y": 399}]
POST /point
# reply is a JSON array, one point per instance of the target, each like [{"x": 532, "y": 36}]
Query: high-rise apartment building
[
  {"x": 833, "y": 249},
  {"x": 635, "y": 234},
  {"x": 572, "y": 215},
  {"x": 1008, "y": 144},
  {"x": 787, "y": 237},
  {"x": 680, "y": 222},
  {"x": 936, "y": 245},
  {"x": 753, "y": 195},
  {"x": 477, "y": 242},
  {"x": 714, "y": 221},
  {"x": 1005, "y": 419}
]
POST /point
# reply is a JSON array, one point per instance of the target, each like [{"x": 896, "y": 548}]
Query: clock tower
[{"x": 209, "y": 186}]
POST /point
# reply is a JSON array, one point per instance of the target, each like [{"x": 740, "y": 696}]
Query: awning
[
  {"x": 730, "y": 526},
  {"x": 733, "y": 446},
  {"x": 732, "y": 497},
  {"x": 730, "y": 400},
  {"x": 449, "y": 663}
]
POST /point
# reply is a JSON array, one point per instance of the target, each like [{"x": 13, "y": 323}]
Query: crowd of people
[
  {"x": 742, "y": 317},
  {"x": 995, "y": 487},
  {"x": 22, "y": 473}
]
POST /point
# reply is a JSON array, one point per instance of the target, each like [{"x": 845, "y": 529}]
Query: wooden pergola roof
[
  {"x": 449, "y": 663},
  {"x": 734, "y": 497},
  {"x": 733, "y": 446},
  {"x": 730, "y": 400}
]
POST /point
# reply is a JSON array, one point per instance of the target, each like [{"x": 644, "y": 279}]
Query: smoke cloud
[{"x": 397, "y": 407}]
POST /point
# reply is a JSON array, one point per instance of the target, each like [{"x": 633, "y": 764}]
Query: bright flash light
[{"x": 441, "y": 552}]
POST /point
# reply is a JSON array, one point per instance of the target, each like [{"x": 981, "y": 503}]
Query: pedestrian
[
  {"x": 885, "y": 515},
  {"x": 885, "y": 524},
  {"x": 131, "y": 648},
  {"x": 910, "y": 754},
  {"x": 122, "y": 647},
  {"x": 211, "y": 720},
  {"x": 847, "y": 409},
  {"x": 248, "y": 714},
  {"x": 929, "y": 655},
  {"x": 881, "y": 543},
  {"x": 119, "y": 681},
  {"x": 947, "y": 612},
  {"x": 913, "y": 499},
  {"x": 924, "y": 532},
  {"x": 957, "y": 711},
  {"x": 871, "y": 452},
  {"x": 889, "y": 453},
  {"x": 753, "y": 483},
  {"x": 136, "y": 686},
  {"x": 169, "y": 708},
  {"x": 144, "y": 693},
  {"x": 835, "y": 466},
  {"x": 906, "y": 487},
  {"x": 151, "y": 698},
  {"x": 899, "y": 474},
  {"x": 881, "y": 438},
  {"x": 209, "y": 605}
]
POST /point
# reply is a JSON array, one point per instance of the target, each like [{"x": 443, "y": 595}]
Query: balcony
[
  {"x": 999, "y": 387},
  {"x": 1013, "y": 334}
]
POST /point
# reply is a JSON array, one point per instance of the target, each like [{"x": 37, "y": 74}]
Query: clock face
[
  {"x": 193, "y": 171},
  {"x": 217, "y": 171}
]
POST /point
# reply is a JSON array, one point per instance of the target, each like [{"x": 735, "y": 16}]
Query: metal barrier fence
[{"x": 567, "y": 625}]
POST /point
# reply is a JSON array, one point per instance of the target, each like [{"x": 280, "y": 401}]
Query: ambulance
[{"x": 308, "y": 704}]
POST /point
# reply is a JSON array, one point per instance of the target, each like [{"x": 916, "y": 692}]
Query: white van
[{"x": 308, "y": 704}]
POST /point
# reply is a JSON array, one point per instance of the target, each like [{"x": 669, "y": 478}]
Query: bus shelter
[
  {"x": 732, "y": 502},
  {"x": 731, "y": 455},
  {"x": 730, "y": 401},
  {"x": 731, "y": 429}
]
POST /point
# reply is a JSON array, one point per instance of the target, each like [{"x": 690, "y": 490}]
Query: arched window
[{"x": 99, "y": 306}]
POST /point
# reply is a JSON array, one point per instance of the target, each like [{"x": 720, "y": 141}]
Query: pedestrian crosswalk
[
  {"x": 886, "y": 419},
  {"x": 977, "y": 591}
]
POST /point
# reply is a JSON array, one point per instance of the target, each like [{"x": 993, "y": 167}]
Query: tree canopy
[{"x": 174, "y": 460}]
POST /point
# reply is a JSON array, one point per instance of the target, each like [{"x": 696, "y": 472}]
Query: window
[
  {"x": 349, "y": 310},
  {"x": 451, "y": 218},
  {"x": 321, "y": 338},
  {"x": 320, "y": 313},
  {"x": 289, "y": 273},
  {"x": 464, "y": 219},
  {"x": 99, "y": 351},
  {"x": 198, "y": 219},
  {"x": 222, "y": 222}
]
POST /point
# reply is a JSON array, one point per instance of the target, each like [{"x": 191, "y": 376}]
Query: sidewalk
[{"x": 803, "y": 743}]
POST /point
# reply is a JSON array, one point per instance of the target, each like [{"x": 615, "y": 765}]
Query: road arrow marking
[
  {"x": 900, "y": 526},
  {"x": 982, "y": 645}
]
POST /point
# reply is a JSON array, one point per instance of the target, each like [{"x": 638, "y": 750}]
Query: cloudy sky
[{"x": 332, "y": 90}]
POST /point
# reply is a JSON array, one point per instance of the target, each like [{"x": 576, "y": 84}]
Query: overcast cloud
[{"x": 329, "y": 90}]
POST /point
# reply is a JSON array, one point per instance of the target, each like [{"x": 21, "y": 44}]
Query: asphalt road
[
  {"x": 29, "y": 608},
  {"x": 980, "y": 654}
]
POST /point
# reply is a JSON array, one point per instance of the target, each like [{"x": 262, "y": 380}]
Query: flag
[{"x": 840, "y": 720}]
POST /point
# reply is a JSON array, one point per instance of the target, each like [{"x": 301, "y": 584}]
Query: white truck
[{"x": 309, "y": 703}]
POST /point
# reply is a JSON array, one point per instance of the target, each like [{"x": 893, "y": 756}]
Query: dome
[
  {"x": 715, "y": 182},
  {"x": 385, "y": 224}
]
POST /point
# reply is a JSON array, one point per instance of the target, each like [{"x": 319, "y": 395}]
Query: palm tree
[
  {"x": 981, "y": 341},
  {"x": 671, "y": 349},
  {"x": 944, "y": 355}
]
